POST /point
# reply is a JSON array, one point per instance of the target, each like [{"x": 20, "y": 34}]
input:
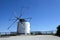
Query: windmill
[{"x": 23, "y": 26}]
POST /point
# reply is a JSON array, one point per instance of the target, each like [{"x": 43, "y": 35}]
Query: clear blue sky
[{"x": 45, "y": 14}]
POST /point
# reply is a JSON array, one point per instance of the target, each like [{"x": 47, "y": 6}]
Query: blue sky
[{"x": 45, "y": 14}]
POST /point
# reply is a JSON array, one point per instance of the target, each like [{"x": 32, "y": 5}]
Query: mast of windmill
[{"x": 23, "y": 26}]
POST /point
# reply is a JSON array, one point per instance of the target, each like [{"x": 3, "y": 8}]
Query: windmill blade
[
  {"x": 22, "y": 11},
  {"x": 14, "y": 12},
  {"x": 12, "y": 24},
  {"x": 28, "y": 18},
  {"x": 11, "y": 19},
  {"x": 20, "y": 15}
]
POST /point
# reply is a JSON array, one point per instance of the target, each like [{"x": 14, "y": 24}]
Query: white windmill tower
[{"x": 23, "y": 26}]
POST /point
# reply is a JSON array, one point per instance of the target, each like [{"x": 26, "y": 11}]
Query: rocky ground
[{"x": 31, "y": 37}]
